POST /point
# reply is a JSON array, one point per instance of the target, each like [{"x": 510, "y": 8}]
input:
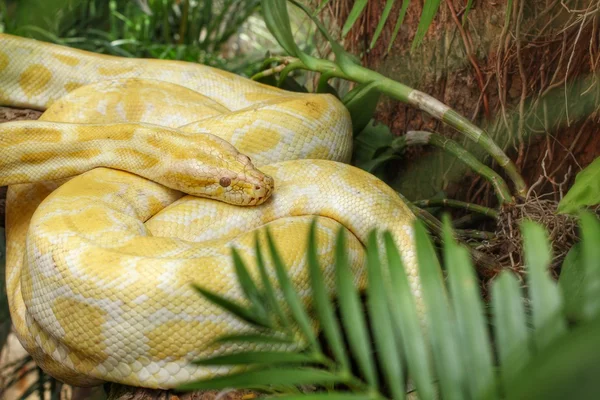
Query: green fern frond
[{"x": 446, "y": 348}]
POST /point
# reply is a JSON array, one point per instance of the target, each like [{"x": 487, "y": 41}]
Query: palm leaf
[
  {"x": 355, "y": 13},
  {"x": 468, "y": 308},
  {"x": 264, "y": 377},
  {"x": 456, "y": 336},
  {"x": 510, "y": 327},
  {"x": 352, "y": 313},
  {"x": 382, "y": 20},
  {"x": 291, "y": 296},
  {"x": 546, "y": 300},
  {"x": 323, "y": 305},
  {"x": 590, "y": 232},
  {"x": 383, "y": 333},
  {"x": 430, "y": 9},
  {"x": 440, "y": 325}
]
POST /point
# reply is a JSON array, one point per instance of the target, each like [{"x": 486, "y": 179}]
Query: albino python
[{"x": 136, "y": 182}]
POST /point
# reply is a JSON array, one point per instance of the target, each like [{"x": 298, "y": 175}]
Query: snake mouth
[{"x": 262, "y": 191}]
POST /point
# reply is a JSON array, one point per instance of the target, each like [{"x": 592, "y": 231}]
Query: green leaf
[
  {"x": 372, "y": 147},
  {"x": 257, "y": 357},
  {"x": 546, "y": 301},
  {"x": 510, "y": 327},
  {"x": 253, "y": 338},
  {"x": 569, "y": 370},
  {"x": 323, "y": 305},
  {"x": 572, "y": 283},
  {"x": 584, "y": 192},
  {"x": 355, "y": 13},
  {"x": 404, "y": 316},
  {"x": 430, "y": 9},
  {"x": 471, "y": 323},
  {"x": 385, "y": 342},
  {"x": 399, "y": 21},
  {"x": 291, "y": 296},
  {"x": 361, "y": 102},
  {"x": 346, "y": 61},
  {"x": 590, "y": 251},
  {"x": 268, "y": 286},
  {"x": 248, "y": 286},
  {"x": 239, "y": 311},
  {"x": 441, "y": 328},
  {"x": 277, "y": 20},
  {"x": 265, "y": 377},
  {"x": 468, "y": 8},
  {"x": 382, "y": 20},
  {"x": 352, "y": 314}
]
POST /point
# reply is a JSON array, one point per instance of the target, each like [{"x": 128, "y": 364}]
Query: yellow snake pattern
[{"x": 136, "y": 182}]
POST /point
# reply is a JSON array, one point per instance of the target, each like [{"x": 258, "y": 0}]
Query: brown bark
[{"x": 483, "y": 67}]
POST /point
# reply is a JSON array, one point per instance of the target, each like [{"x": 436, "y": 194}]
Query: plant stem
[
  {"x": 449, "y": 145},
  {"x": 457, "y": 204},
  {"x": 430, "y": 105},
  {"x": 442, "y": 112}
]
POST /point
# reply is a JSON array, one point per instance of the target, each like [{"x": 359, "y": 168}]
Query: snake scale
[{"x": 136, "y": 182}]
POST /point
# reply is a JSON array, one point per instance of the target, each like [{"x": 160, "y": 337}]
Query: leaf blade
[
  {"x": 545, "y": 296},
  {"x": 323, "y": 304},
  {"x": 430, "y": 9},
  {"x": 352, "y": 316},
  {"x": 383, "y": 334},
  {"x": 263, "y": 377},
  {"x": 291, "y": 296},
  {"x": 405, "y": 317},
  {"x": 468, "y": 307},
  {"x": 355, "y": 13}
]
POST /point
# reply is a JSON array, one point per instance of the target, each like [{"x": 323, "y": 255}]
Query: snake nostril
[{"x": 225, "y": 182}]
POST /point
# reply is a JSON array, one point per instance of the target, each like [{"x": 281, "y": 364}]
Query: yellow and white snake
[{"x": 112, "y": 208}]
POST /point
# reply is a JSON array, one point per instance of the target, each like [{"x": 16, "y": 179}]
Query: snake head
[{"x": 215, "y": 169}]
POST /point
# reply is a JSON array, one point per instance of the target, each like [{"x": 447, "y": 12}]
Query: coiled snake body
[{"x": 137, "y": 180}]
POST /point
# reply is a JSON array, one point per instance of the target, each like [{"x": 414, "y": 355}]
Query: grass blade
[
  {"x": 399, "y": 21},
  {"x": 382, "y": 20},
  {"x": 247, "y": 284},
  {"x": 468, "y": 8},
  {"x": 268, "y": 288},
  {"x": 430, "y": 9},
  {"x": 253, "y": 338},
  {"x": 441, "y": 329},
  {"x": 573, "y": 282},
  {"x": 323, "y": 305},
  {"x": 234, "y": 308},
  {"x": 352, "y": 314},
  {"x": 404, "y": 317},
  {"x": 291, "y": 296},
  {"x": 546, "y": 301},
  {"x": 385, "y": 343},
  {"x": 468, "y": 308},
  {"x": 355, "y": 13},
  {"x": 510, "y": 327},
  {"x": 263, "y": 377},
  {"x": 590, "y": 250},
  {"x": 258, "y": 357}
]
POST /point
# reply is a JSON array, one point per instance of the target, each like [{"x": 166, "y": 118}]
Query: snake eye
[{"x": 225, "y": 181}]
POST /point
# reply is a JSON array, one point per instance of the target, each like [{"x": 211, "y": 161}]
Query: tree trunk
[{"x": 491, "y": 68}]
